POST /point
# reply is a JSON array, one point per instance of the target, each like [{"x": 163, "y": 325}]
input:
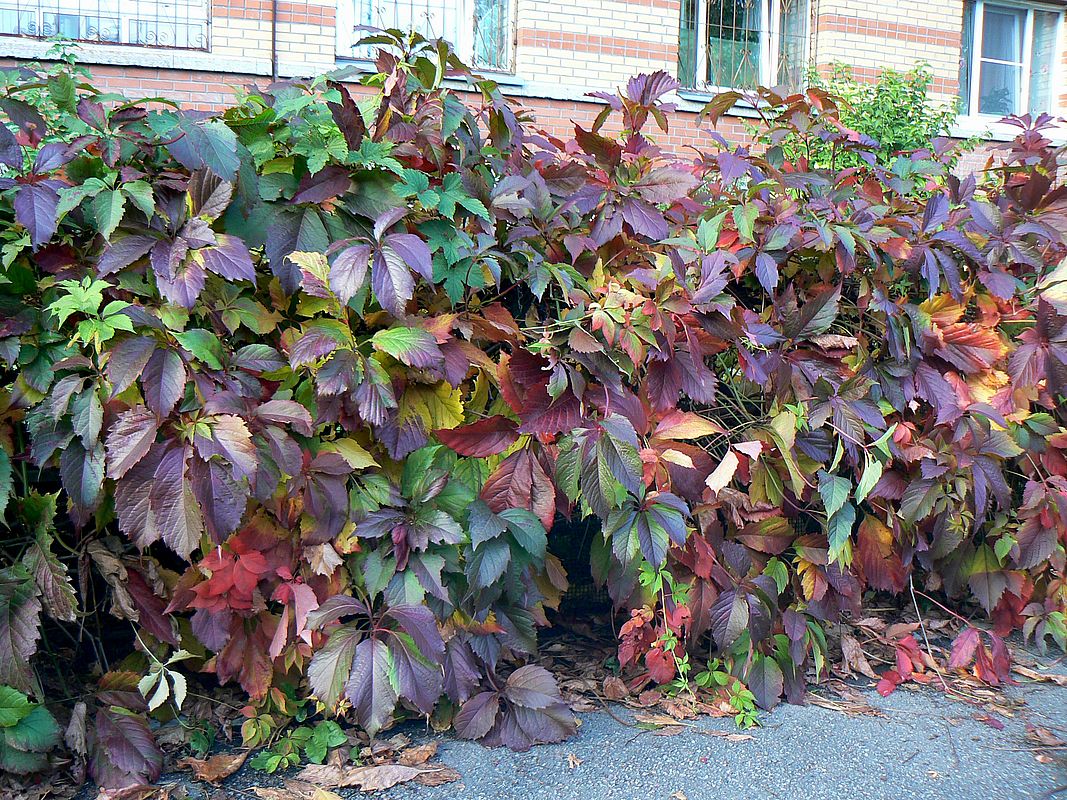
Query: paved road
[{"x": 925, "y": 746}]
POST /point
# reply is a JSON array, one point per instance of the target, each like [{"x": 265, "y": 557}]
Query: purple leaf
[
  {"x": 348, "y": 272},
  {"x": 230, "y": 259},
  {"x": 120, "y": 253},
  {"x": 326, "y": 184},
  {"x": 35, "y": 210},
  {"x": 173, "y": 503},
  {"x": 644, "y": 219},
  {"x": 163, "y": 381},
  {"x": 767, "y": 271},
  {"x": 286, "y": 412},
  {"x": 419, "y": 623},
  {"x": 532, "y": 687},
  {"x": 124, "y": 752},
  {"x": 413, "y": 251},
  {"x": 130, "y": 439},
  {"x": 932, "y": 387},
  {"x": 222, "y": 497},
  {"x": 477, "y": 716},
  {"x": 391, "y": 281},
  {"x": 127, "y": 361},
  {"x": 10, "y": 151},
  {"x": 419, "y": 682},
  {"x": 369, "y": 687}
]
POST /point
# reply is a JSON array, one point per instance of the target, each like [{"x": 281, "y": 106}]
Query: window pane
[
  {"x": 999, "y": 88},
  {"x": 1042, "y": 60},
  {"x": 1002, "y": 33},
  {"x": 966, "y": 58},
  {"x": 734, "y": 42},
  {"x": 15, "y": 22},
  {"x": 792, "y": 43},
  {"x": 492, "y": 34},
  {"x": 687, "y": 44}
]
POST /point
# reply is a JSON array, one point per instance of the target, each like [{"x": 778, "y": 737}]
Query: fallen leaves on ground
[
  {"x": 373, "y": 778},
  {"x": 418, "y": 755},
  {"x": 217, "y": 767},
  {"x": 1043, "y": 677}
]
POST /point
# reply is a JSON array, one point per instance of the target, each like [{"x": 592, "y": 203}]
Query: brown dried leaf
[
  {"x": 1034, "y": 675},
  {"x": 898, "y": 630},
  {"x": 615, "y": 688},
  {"x": 216, "y": 768},
  {"x": 1043, "y": 736},
  {"x": 573, "y": 761},
  {"x": 437, "y": 776},
  {"x": 854, "y": 658},
  {"x": 731, "y": 737},
  {"x": 418, "y": 755},
  {"x": 367, "y": 779}
]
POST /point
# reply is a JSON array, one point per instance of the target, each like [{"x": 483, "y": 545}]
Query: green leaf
[
  {"x": 834, "y": 491},
  {"x": 107, "y": 208},
  {"x": 140, "y": 194},
  {"x": 872, "y": 473},
  {"x": 204, "y": 345},
  {"x": 36, "y": 732},
  {"x": 14, "y": 706},
  {"x": 839, "y": 533}
]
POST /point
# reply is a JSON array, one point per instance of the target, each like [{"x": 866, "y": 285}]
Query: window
[
  {"x": 151, "y": 23},
  {"x": 1008, "y": 58},
  {"x": 480, "y": 30},
  {"x": 740, "y": 44}
]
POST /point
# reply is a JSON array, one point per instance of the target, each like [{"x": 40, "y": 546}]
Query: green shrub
[{"x": 315, "y": 379}]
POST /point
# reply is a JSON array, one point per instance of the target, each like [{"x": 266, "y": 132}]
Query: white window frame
[
  {"x": 770, "y": 36},
  {"x": 347, "y": 35},
  {"x": 975, "y": 66}
]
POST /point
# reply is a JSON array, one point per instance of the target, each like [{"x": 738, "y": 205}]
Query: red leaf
[
  {"x": 521, "y": 482},
  {"x": 882, "y": 565},
  {"x": 660, "y": 665},
  {"x": 486, "y": 437},
  {"x": 963, "y": 648},
  {"x": 890, "y": 681}
]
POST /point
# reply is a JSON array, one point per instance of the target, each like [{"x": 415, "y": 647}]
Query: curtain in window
[
  {"x": 1001, "y": 71},
  {"x": 1043, "y": 60}
]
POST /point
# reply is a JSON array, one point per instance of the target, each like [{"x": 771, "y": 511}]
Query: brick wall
[
  {"x": 563, "y": 49},
  {"x": 871, "y": 36},
  {"x": 210, "y": 90}
]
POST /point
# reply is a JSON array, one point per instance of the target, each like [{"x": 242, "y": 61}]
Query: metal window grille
[
  {"x": 482, "y": 31},
  {"x": 739, "y": 44},
  {"x": 182, "y": 24}
]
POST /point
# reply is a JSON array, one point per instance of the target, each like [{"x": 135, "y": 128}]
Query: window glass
[
  {"x": 999, "y": 88},
  {"x": 733, "y": 42},
  {"x": 1043, "y": 60},
  {"x": 1002, "y": 33},
  {"x": 792, "y": 43}
]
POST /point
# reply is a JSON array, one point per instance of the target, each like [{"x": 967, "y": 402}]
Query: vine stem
[
  {"x": 922, "y": 626},
  {"x": 925, "y": 596}
]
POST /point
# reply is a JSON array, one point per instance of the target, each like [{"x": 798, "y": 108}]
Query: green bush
[{"x": 315, "y": 380}]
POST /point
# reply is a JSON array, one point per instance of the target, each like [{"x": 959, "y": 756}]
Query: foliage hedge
[{"x": 308, "y": 385}]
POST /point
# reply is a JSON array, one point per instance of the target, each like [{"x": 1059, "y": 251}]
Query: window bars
[
  {"x": 740, "y": 44},
  {"x": 181, "y": 24}
]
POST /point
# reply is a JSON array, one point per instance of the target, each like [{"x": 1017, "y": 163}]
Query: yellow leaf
[
  {"x": 352, "y": 452},
  {"x": 681, "y": 459},
  {"x": 440, "y": 406},
  {"x": 724, "y": 473}
]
